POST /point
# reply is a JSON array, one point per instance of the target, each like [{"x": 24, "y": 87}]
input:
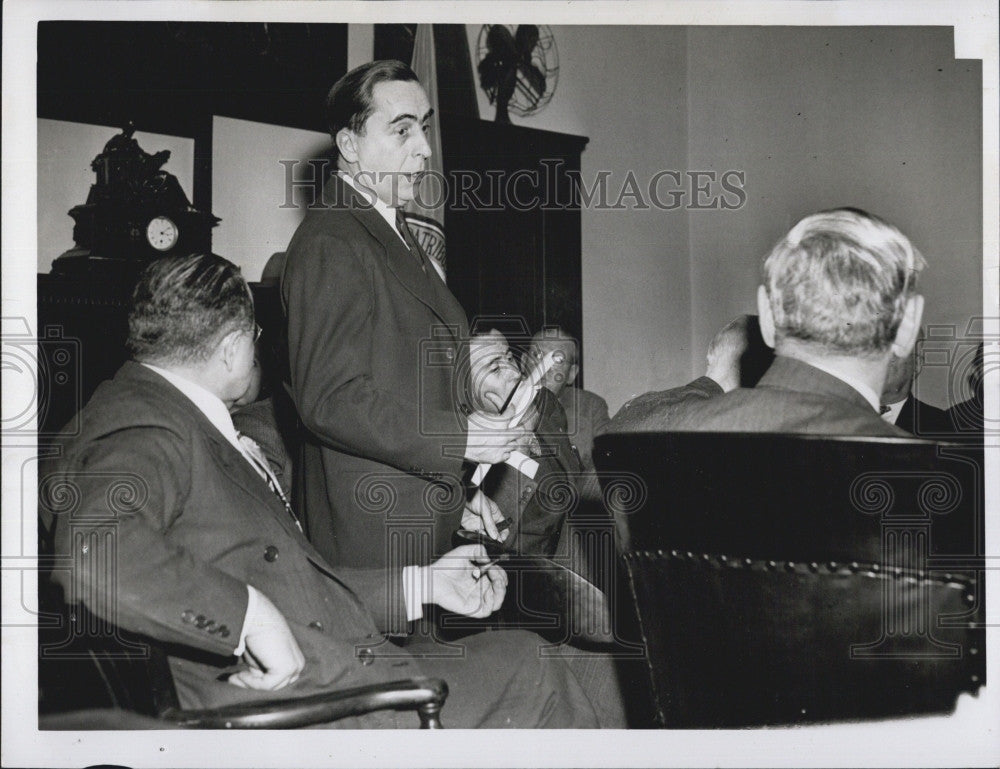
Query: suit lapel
[{"x": 427, "y": 288}]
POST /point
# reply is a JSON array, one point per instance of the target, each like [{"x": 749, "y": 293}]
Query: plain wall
[
  {"x": 251, "y": 190},
  {"x": 883, "y": 119}
]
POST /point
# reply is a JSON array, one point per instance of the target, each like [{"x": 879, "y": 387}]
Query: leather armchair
[
  {"x": 117, "y": 680},
  {"x": 790, "y": 579}
]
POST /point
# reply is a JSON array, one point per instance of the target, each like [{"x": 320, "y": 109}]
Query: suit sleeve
[
  {"x": 129, "y": 489},
  {"x": 329, "y": 297},
  {"x": 382, "y": 593},
  {"x": 654, "y": 411}
]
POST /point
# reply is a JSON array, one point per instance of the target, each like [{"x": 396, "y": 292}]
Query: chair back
[
  {"x": 784, "y": 579},
  {"x": 86, "y": 664}
]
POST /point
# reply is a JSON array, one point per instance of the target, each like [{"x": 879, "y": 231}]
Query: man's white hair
[{"x": 840, "y": 280}]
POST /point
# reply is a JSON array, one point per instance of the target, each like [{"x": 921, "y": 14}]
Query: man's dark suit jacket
[
  {"x": 539, "y": 506},
  {"x": 586, "y": 417},
  {"x": 655, "y": 411},
  {"x": 792, "y": 397},
  {"x": 166, "y": 525},
  {"x": 924, "y": 420},
  {"x": 375, "y": 344}
]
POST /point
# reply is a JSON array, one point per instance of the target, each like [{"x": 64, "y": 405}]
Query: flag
[{"x": 425, "y": 214}]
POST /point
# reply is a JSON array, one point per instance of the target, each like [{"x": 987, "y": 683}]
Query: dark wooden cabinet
[{"x": 513, "y": 224}]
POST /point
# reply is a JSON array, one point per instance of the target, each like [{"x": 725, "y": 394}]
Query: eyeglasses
[{"x": 257, "y": 331}]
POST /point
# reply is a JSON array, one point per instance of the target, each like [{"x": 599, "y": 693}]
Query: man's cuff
[
  {"x": 251, "y": 610},
  {"x": 415, "y": 591}
]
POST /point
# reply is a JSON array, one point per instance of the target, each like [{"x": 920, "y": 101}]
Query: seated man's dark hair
[{"x": 183, "y": 305}]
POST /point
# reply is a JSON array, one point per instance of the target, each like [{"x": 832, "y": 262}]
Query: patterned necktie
[
  {"x": 256, "y": 456},
  {"x": 411, "y": 242}
]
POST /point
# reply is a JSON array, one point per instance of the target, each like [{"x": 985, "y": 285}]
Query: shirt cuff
[
  {"x": 251, "y": 610},
  {"x": 415, "y": 592}
]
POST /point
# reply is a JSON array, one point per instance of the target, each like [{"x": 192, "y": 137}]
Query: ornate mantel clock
[{"x": 135, "y": 212}]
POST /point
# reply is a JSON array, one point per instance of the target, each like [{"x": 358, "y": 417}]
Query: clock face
[{"x": 162, "y": 233}]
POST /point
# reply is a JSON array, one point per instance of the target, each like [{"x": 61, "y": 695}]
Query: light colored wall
[
  {"x": 250, "y": 191},
  {"x": 625, "y": 88},
  {"x": 65, "y": 151},
  {"x": 883, "y": 119}
]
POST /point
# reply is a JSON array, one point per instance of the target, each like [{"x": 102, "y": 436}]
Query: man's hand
[
  {"x": 491, "y": 439},
  {"x": 272, "y": 654},
  {"x": 483, "y": 514},
  {"x": 466, "y": 582}
]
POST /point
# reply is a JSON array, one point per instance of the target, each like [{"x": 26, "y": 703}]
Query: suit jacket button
[
  {"x": 270, "y": 554},
  {"x": 366, "y": 656},
  {"x": 316, "y": 625},
  {"x": 188, "y": 616}
]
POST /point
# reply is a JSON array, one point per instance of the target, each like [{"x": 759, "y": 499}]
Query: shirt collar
[
  {"x": 208, "y": 403},
  {"x": 866, "y": 392},
  {"x": 386, "y": 212}
]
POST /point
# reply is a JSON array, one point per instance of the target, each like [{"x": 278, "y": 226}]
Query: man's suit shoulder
[
  {"x": 135, "y": 398},
  {"x": 656, "y": 411},
  {"x": 766, "y": 409}
]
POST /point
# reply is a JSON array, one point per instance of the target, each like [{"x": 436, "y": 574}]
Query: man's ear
[
  {"x": 766, "y": 318},
  {"x": 909, "y": 327},
  {"x": 229, "y": 348},
  {"x": 346, "y": 145},
  {"x": 571, "y": 374}
]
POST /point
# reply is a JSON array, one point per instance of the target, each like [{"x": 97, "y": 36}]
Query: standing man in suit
[
  {"x": 176, "y": 530},
  {"x": 376, "y": 341},
  {"x": 838, "y": 302}
]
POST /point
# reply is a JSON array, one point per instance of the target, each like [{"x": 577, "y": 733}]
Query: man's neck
[
  {"x": 197, "y": 375},
  {"x": 356, "y": 179},
  {"x": 866, "y": 375}
]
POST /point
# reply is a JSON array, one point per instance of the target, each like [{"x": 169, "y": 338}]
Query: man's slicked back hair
[
  {"x": 349, "y": 103},
  {"x": 840, "y": 280},
  {"x": 182, "y": 306}
]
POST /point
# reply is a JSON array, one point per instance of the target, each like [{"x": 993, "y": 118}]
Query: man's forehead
[
  {"x": 564, "y": 345},
  {"x": 392, "y": 99},
  {"x": 490, "y": 348}
]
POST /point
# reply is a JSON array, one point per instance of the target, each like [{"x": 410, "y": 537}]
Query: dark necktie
[{"x": 410, "y": 241}]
